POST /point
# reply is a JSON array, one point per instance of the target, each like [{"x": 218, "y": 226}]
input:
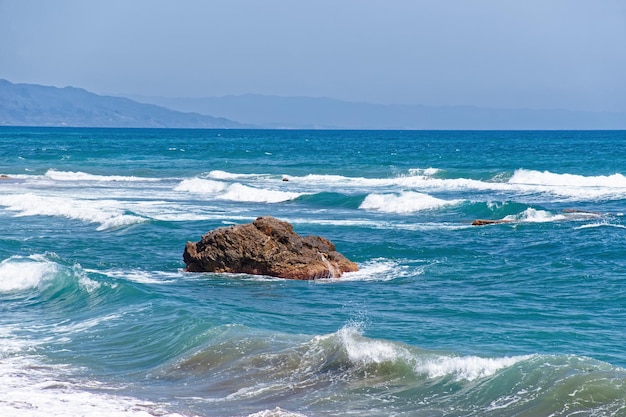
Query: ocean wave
[
  {"x": 276, "y": 412},
  {"x": 404, "y": 202},
  {"x": 83, "y": 176},
  {"x": 521, "y": 182},
  {"x": 530, "y": 177},
  {"x": 425, "y": 172},
  {"x": 19, "y": 273},
  {"x": 376, "y": 270},
  {"x": 224, "y": 175},
  {"x": 201, "y": 186},
  {"x": 244, "y": 193},
  {"x": 533, "y": 215},
  {"x": 365, "y": 352},
  {"x": 235, "y": 191},
  {"x": 578, "y": 187},
  {"x": 30, "y": 388},
  {"x": 109, "y": 214},
  {"x": 142, "y": 276},
  {"x": 601, "y": 224}
]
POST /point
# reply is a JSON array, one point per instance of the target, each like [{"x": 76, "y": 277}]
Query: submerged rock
[{"x": 267, "y": 246}]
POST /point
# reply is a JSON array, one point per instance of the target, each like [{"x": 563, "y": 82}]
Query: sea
[{"x": 525, "y": 316}]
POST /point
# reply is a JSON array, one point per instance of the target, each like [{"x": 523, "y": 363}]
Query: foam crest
[
  {"x": 574, "y": 186},
  {"x": 601, "y": 224},
  {"x": 426, "y": 172},
  {"x": 365, "y": 351},
  {"x": 235, "y": 192},
  {"x": 29, "y": 388},
  {"x": 83, "y": 176},
  {"x": 19, "y": 273},
  {"x": 276, "y": 412},
  {"x": 243, "y": 193},
  {"x": 107, "y": 213},
  {"x": 223, "y": 175},
  {"x": 143, "y": 277},
  {"x": 202, "y": 186},
  {"x": 465, "y": 367},
  {"x": 523, "y": 176},
  {"x": 404, "y": 203},
  {"x": 375, "y": 270},
  {"x": 532, "y": 215}
]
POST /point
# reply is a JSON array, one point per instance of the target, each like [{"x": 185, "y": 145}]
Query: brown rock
[
  {"x": 267, "y": 246},
  {"x": 481, "y": 222}
]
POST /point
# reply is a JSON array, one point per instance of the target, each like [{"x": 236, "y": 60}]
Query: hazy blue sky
[{"x": 527, "y": 53}]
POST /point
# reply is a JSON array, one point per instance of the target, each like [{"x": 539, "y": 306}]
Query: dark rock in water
[
  {"x": 267, "y": 246},
  {"x": 481, "y": 222}
]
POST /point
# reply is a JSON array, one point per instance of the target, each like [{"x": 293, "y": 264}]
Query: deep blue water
[{"x": 521, "y": 318}]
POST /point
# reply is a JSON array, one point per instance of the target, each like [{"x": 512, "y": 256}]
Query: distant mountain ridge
[
  {"x": 37, "y": 105},
  {"x": 325, "y": 113}
]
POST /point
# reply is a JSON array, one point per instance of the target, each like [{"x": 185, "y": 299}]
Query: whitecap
[
  {"x": 377, "y": 270},
  {"x": 404, "y": 202},
  {"x": 244, "y": 193},
  {"x": 223, "y": 175},
  {"x": 601, "y": 224},
  {"x": 29, "y": 388},
  {"x": 573, "y": 186},
  {"x": 19, "y": 273},
  {"x": 83, "y": 176},
  {"x": 276, "y": 412},
  {"x": 363, "y": 351},
  {"x": 425, "y": 172},
  {"x": 464, "y": 367},
  {"x": 108, "y": 213},
  {"x": 201, "y": 186}
]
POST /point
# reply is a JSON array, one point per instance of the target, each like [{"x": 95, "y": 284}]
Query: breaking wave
[
  {"x": 235, "y": 191},
  {"x": 108, "y": 214},
  {"x": 404, "y": 202}
]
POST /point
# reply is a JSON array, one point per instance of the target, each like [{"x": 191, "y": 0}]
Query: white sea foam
[
  {"x": 523, "y": 176},
  {"x": 426, "y": 172},
  {"x": 19, "y": 273},
  {"x": 532, "y": 215},
  {"x": 235, "y": 192},
  {"x": 276, "y": 412},
  {"x": 29, "y": 388},
  {"x": 523, "y": 181},
  {"x": 601, "y": 224},
  {"x": 404, "y": 203},
  {"x": 573, "y": 186},
  {"x": 464, "y": 367},
  {"x": 364, "y": 351},
  {"x": 243, "y": 193},
  {"x": 108, "y": 213},
  {"x": 223, "y": 175},
  {"x": 201, "y": 186},
  {"x": 83, "y": 176},
  {"x": 143, "y": 277},
  {"x": 376, "y": 270}
]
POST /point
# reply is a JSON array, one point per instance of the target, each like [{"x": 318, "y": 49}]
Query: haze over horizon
[{"x": 565, "y": 54}]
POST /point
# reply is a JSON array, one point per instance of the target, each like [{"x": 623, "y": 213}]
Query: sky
[{"x": 539, "y": 54}]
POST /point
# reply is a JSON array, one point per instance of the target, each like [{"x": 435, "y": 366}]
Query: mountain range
[
  {"x": 324, "y": 113},
  {"x": 37, "y": 105}
]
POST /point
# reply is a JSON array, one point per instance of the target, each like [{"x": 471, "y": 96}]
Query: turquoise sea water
[{"x": 522, "y": 318}]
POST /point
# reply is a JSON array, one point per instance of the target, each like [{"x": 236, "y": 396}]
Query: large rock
[{"x": 267, "y": 246}]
